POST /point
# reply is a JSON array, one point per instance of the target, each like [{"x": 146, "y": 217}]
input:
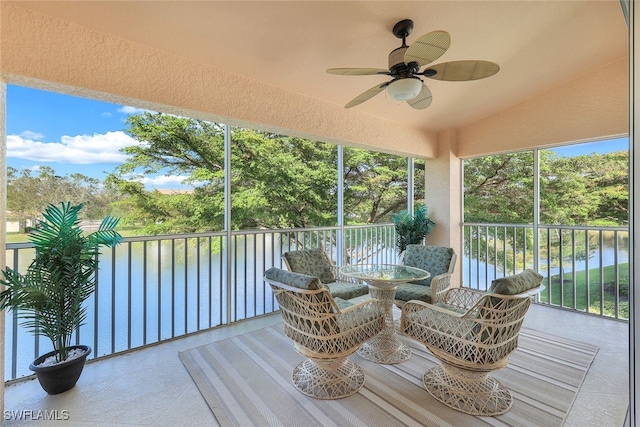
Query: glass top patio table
[
  {"x": 385, "y": 273},
  {"x": 383, "y": 280}
]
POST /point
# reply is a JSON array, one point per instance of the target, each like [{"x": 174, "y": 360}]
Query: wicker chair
[
  {"x": 472, "y": 333},
  {"x": 324, "y": 332},
  {"x": 437, "y": 260},
  {"x": 316, "y": 262}
]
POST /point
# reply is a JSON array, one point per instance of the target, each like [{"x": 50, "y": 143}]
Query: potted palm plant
[
  {"x": 411, "y": 229},
  {"x": 49, "y": 297}
]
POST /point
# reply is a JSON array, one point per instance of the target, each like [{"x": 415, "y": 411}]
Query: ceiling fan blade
[
  {"x": 428, "y": 48},
  {"x": 366, "y": 95},
  {"x": 357, "y": 71},
  {"x": 423, "y": 100},
  {"x": 459, "y": 71}
]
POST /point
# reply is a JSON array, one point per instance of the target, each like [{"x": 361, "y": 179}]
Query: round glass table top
[{"x": 384, "y": 272}]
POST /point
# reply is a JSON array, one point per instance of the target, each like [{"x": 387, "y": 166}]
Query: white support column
[
  {"x": 443, "y": 196},
  {"x": 634, "y": 204},
  {"x": 411, "y": 191},
  {"x": 536, "y": 206},
  {"x": 340, "y": 253},
  {"x": 227, "y": 219},
  {"x": 3, "y": 218}
]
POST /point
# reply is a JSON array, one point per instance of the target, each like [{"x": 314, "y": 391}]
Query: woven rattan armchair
[
  {"x": 316, "y": 262},
  {"x": 439, "y": 261},
  {"x": 472, "y": 333},
  {"x": 324, "y": 332}
]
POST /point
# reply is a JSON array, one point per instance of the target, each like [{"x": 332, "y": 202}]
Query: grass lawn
[
  {"x": 23, "y": 237},
  {"x": 595, "y": 292}
]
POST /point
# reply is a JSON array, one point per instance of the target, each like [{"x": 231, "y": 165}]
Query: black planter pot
[{"x": 63, "y": 376}]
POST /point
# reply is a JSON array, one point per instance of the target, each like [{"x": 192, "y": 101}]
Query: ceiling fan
[{"x": 404, "y": 68}]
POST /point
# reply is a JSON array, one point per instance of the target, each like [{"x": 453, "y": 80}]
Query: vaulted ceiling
[{"x": 288, "y": 45}]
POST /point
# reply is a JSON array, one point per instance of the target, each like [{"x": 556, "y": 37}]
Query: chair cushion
[
  {"x": 413, "y": 291},
  {"x": 450, "y": 307},
  {"x": 421, "y": 326},
  {"x": 434, "y": 259},
  {"x": 313, "y": 262},
  {"x": 343, "y": 303},
  {"x": 518, "y": 283},
  {"x": 346, "y": 290},
  {"x": 298, "y": 280}
]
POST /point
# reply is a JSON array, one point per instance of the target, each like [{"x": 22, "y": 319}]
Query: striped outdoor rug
[{"x": 246, "y": 381}]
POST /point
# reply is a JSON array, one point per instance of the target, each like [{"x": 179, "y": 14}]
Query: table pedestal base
[
  {"x": 383, "y": 280},
  {"x": 385, "y": 350}
]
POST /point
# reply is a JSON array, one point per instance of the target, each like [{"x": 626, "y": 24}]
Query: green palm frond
[
  {"x": 411, "y": 229},
  {"x": 49, "y": 297}
]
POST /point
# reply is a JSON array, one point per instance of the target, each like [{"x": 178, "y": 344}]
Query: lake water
[
  {"x": 187, "y": 292},
  {"x": 480, "y": 275},
  {"x": 171, "y": 289}
]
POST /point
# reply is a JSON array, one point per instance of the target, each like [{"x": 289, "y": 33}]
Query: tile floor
[{"x": 150, "y": 387}]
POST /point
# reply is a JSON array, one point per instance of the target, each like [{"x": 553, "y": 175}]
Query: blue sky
[
  {"x": 78, "y": 135},
  {"x": 600, "y": 147},
  {"x": 69, "y": 134}
]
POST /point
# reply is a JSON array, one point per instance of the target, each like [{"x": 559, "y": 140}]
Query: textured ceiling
[{"x": 538, "y": 44}]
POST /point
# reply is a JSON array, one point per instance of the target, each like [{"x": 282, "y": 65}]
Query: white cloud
[
  {"x": 28, "y": 134},
  {"x": 79, "y": 149},
  {"x": 125, "y": 109},
  {"x": 160, "y": 181},
  {"x": 106, "y": 114}
]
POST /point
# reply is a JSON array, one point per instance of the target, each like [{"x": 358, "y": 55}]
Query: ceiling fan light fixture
[
  {"x": 404, "y": 89},
  {"x": 405, "y": 63}
]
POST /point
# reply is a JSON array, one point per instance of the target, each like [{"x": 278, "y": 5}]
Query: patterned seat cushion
[
  {"x": 313, "y": 262},
  {"x": 413, "y": 291},
  {"x": 421, "y": 321},
  {"x": 343, "y": 303},
  {"x": 450, "y": 307},
  {"x": 518, "y": 283},
  {"x": 347, "y": 290},
  {"x": 434, "y": 259}
]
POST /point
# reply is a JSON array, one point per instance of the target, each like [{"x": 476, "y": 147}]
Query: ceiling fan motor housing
[{"x": 396, "y": 58}]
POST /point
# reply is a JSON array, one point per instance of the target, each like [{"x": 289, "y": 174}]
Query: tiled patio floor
[{"x": 150, "y": 387}]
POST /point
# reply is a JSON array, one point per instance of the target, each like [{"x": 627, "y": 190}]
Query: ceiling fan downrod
[{"x": 397, "y": 67}]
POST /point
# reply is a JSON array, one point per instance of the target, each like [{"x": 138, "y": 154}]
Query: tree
[
  {"x": 499, "y": 189},
  {"x": 375, "y": 185},
  {"x": 289, "y": 181},
  {"x": 580, "y": 190},
  {"x": 28, "y": 193},
  {"x": 277, "y": 181},
  {"x": 608, "y": 179}
]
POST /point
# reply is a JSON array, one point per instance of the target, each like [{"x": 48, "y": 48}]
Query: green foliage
[
  {"x": 411, "y": 229},
  {"x": 499, "y": 189},
  {"x": 291, "y": 182},
  {"x": 590, "y": 190},
  {"x": 28, "y": 194},
  {"x": 49, "y": 296},
  {"x": 585, "y": 190},
  {"x": 276, "y": 181},
  {"x": 375, "y": 185},
  {"x": 581, "y": 190}
]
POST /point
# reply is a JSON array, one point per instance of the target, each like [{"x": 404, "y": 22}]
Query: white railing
[
  {"x": 585, "y": 268},
  {"x": 155, "y": 288}
]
